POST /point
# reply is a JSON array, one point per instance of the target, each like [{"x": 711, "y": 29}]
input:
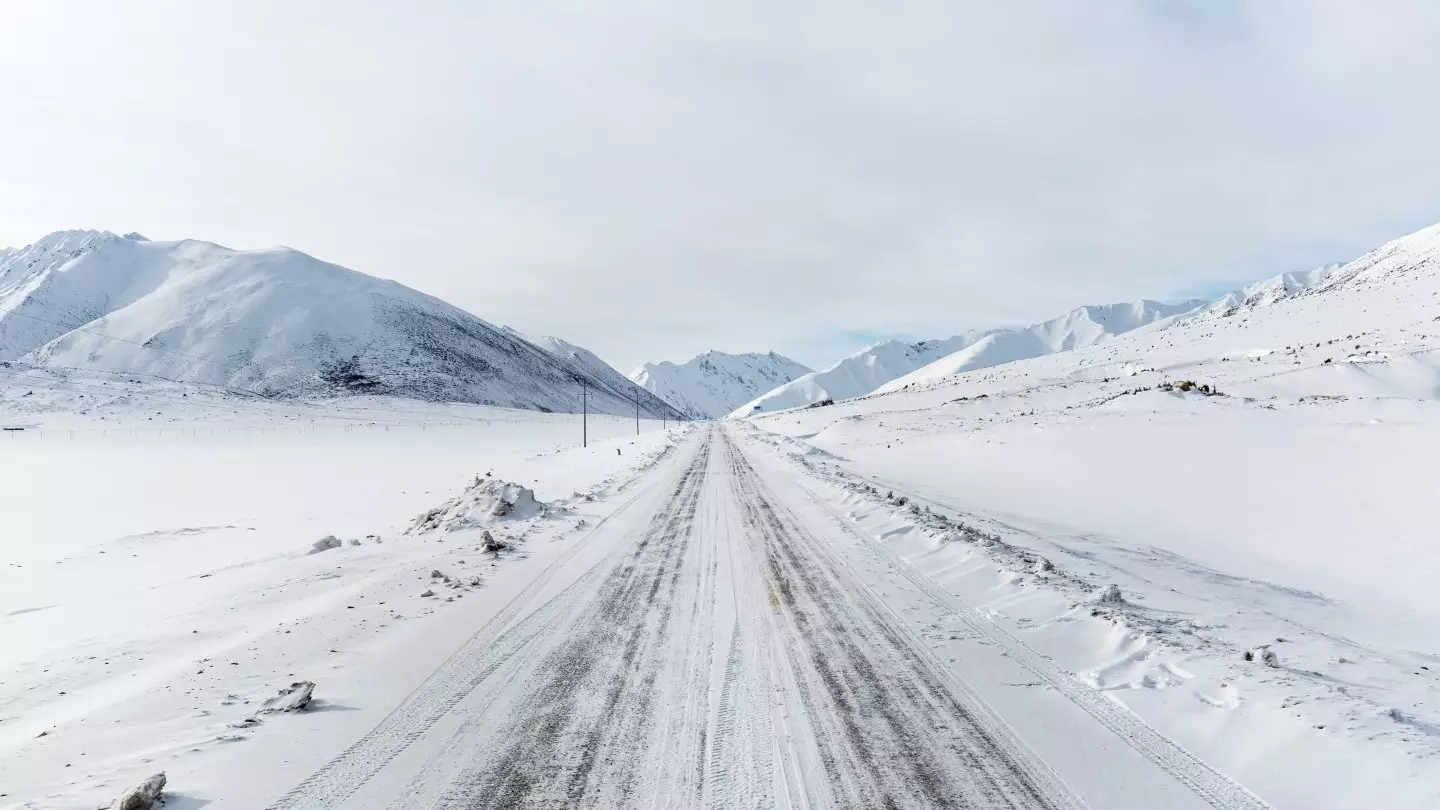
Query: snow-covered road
[{"x": 710, "y": 645}]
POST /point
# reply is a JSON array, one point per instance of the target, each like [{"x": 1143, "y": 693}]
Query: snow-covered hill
[
  {"x": 894, "y": 363},
  {"x": 596, "y": 370},
  {"x": 714, "y": 383},
  {"x": 856, "y": 375},
  {"x": 1252, "y": 479},
  {"x": 275, "y": 322}
]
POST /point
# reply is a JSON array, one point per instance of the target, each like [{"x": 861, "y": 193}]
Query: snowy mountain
[
  {"x": 1269, "y": 291},
  {"x": 894, "y": 364},
  {"x": 856, "y": 375},
  {"x": 1086, "y": 326},
  {"x": 1267, "y": 459},
  {"x": 714, "y": 383},
  {"x": 589, "y": 364},
  {"x": 274, "y": 322}
]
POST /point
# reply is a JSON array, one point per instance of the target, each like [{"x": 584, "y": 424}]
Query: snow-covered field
[
  {"x": 1191, "y": 565},
  {"x": 1292, "y": 513},
  {"x": 157, "y": 582}
]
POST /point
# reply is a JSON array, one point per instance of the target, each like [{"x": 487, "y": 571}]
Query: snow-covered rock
[
  {"x": 1263, "y": 655},
  {"x": 714, "y": 383},
  {"x": 294, "y": 698},
  {"x": 274, "y": 322},
  {"x": 486, "y": 501},
  {"x": 142, "y": 796}
]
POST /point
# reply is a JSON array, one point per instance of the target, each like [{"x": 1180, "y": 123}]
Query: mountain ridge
[
  {"x": 276, "y": 322},
  {"x": 712, "y": 384},
  {"x": 879, "y": 366}
]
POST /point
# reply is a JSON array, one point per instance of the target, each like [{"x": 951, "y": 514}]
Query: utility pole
[
  {"x": 637, "y": 410},
  {"x": 584, "y": 414}
]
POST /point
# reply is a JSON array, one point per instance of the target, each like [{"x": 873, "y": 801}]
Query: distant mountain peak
[
  {"x": 893, "y": 362},
  {"x": 714, "y": 383}
]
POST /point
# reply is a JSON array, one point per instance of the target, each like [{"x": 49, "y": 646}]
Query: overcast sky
[{"x": 654, "y": 179}]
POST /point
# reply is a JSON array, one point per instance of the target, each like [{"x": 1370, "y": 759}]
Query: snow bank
[{"x": 486, "y": 501}]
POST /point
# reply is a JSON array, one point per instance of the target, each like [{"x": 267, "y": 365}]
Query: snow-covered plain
[
  {"x": 1186, "y": 566},
  {"x": 1289, "y": 513},
  {"x": 158, "y": 581}
]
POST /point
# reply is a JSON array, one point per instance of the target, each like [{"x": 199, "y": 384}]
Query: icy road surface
[{"x": 709, "y": 646}]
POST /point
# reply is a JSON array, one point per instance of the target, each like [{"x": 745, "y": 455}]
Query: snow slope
[
  {"x": 879, "y": 365},
  {"x": 274, "y": 322},
  {"x": 590, "y": 365},
  {"x": 157, "y": 580},
  {"x": 1288, "y": 514},
  {"x": 714, "y": 383},
  {"x": 1274, "y": 289}
]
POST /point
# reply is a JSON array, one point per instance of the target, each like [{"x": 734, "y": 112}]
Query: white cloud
[{"x": 652, "y": 179}]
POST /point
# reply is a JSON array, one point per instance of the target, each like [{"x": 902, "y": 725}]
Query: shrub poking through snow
[
  {"x": 324, "y": 544},
  {"x": 293, "y": 698},
  {"x": 142, "y": 796},
  {"x": 1110, "y": 595},
  {"x": 1263, "y": 655}
]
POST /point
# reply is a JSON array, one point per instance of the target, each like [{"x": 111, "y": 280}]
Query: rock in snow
[
  {"x": 490, "y": 544},
  {"x": 324, "y": 544},
  {"x": 1264, "y": 655},
  {"x": 292, "y": 698},
  {"x": 143, "y": 796}
]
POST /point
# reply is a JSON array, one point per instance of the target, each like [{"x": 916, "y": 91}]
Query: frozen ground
[
  {"x": 1190, "y": 567},
  {"x": 699, "y": 619},
  {"x": 1292, "y": 513},
  {"x": 156, "y": 584}
]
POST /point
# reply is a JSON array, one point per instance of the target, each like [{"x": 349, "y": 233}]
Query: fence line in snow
[{"x": 309, "y": 428}]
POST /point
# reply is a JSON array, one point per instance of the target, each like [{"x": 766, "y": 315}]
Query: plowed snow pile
[{"x": 485, "y": 502}]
